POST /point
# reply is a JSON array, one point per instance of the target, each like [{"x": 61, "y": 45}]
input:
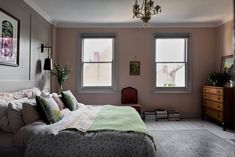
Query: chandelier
[{"x": 146, "y": 10}]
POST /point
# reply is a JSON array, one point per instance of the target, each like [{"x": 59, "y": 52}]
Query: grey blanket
[{"x": 91, "y": 144}]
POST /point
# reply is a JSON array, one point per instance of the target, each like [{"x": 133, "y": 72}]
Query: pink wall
[
  {"x": 139, "y": 42},
  {"x": 225, "y": 42}
]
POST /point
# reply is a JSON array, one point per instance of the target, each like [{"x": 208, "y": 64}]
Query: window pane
[
  {"x": 97, "y": 49},
  {"x": 170, "y": 50},
  {"x": 170, "y": 75},
  {"x": 97, "y": 74}
]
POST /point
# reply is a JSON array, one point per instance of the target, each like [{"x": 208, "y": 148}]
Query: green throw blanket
[{"x": 120, "y": 118}]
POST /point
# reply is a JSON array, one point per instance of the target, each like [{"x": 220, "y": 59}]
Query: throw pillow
[
  {"x": 50, "y": 109},
  {"x": 30, "y": 113},
  {"x": 58, "y": 100},
  {"x": 69, "y": 100},
  {"x": 14, "y": 114},
  {"x": 4, "y": 125}
]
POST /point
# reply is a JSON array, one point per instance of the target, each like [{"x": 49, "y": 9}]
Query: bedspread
[{"x": 116, "y": 132}]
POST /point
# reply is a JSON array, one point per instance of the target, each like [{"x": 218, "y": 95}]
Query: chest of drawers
[{"x": 218, "y": 104}]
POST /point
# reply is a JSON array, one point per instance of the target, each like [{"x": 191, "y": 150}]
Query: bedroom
[{"x": 211, "y": 39}]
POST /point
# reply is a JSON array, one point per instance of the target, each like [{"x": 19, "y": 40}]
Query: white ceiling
[{"x": 81, "y": 13}]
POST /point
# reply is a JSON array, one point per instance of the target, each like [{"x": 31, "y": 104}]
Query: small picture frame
[
  {"x": 227, "y": 64},
  {"x": 134, "y": 67},
  {"x": 9, "y": 39}
]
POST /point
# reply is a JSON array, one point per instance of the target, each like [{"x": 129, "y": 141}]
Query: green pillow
[
  {"x": 49, "y": 108},
  {"x": 69, "y": 100}
]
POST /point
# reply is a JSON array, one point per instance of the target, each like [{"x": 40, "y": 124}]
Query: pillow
[
  {"x": 69, "y": 100},
  {"x": 4, "y": 124},
  {"x": 49, "y": 108},
  {"x": 58, "y": 100},
  {"x": 30, "y": 112},
  {"x": 14, "y": 114}
]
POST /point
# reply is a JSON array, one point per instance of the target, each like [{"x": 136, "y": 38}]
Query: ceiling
[{"x": 95, "y": 13}]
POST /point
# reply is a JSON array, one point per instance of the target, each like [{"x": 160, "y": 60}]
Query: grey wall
[{"x": 34, "y": 30}]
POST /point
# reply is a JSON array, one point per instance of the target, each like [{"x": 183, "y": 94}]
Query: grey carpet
[{"x": 191, "y": 143}]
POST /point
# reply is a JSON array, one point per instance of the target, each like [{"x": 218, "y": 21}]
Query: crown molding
[
  {"x": 135, "y": 25},
  {"x": 33, "y": 5},
  {"x": 225, "y": 20}
]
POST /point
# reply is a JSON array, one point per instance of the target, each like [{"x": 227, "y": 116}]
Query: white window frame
[
  {"x": 97, "y": 89},
  {"x": 187, "y": 88}
]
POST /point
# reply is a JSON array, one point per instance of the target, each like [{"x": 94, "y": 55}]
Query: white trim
[
  {"x": 33, "y": 5},
  {"x": 225, "y": 20},
  {"x": 135, "y": 25}
]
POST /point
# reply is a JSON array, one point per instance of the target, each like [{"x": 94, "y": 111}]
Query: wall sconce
[{"x": 48, "y": 65}]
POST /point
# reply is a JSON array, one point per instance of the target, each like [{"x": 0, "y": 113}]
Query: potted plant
[
  {"x": 62, "y": 74},
  {"x": 218, "y": 79}
]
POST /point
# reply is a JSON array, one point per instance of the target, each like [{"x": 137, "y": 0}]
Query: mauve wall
[
  {"x": 139, "y": 42},
  {"x": 225, "y": 42},
  {"x": 34, "y": 30}
]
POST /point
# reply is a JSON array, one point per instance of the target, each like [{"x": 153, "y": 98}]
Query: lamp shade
[{"x": 48, "y": 65}]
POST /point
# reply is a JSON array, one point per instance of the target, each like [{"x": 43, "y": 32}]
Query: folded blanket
[
  {"x": 119, "y": 118},
  {"x": 80, "y": 119}
]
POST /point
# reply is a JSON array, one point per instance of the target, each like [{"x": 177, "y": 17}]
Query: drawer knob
[
  {"x": 218, "y": 92},
  {"x": 218, "y": 106},
  {"x": 218, "y": 98},
  {"x": 218, "y": 115}
]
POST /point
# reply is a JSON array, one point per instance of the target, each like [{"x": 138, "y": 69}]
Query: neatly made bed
[{"x": 115, "y": 132}]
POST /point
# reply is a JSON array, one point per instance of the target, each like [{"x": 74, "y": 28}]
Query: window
[
  {"x": 172, "y": 62},
  {"x": 97, "y": 62}
]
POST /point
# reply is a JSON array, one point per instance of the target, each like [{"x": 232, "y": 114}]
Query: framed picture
[
  {"x": 134, "y": 67},
  {"x": 227, "y": 64},
  {"x": 9, "y": 39}
]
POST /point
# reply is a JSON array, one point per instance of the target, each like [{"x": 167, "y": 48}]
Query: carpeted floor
[{"x": 191, "y": 143}]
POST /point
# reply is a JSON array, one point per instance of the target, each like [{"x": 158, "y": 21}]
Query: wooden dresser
[{"x": 218, "y": 104}]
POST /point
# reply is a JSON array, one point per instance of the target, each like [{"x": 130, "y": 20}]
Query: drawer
[
  {"x": 213, "y": 105},
  {"x": 217, "y": 91},
  {"x": 217, "y": 98},
  {"x": 213, "y": 114}
]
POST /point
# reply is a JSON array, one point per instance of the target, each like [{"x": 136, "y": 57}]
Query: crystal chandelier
[{"x": 146, "y": 10}]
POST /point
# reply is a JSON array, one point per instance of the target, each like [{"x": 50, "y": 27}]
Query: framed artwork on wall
[
  {"x": 9, "y": 39},
  {"x": 134, "y": 67},
  {"x": 227, "y": 65}
]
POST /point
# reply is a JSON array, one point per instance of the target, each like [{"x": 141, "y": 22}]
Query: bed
[
  {"x": 115, "y": 132},
  {"x": 89, "y": 131}
]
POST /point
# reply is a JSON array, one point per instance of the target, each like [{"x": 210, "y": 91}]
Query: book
[
  {"x": 173, "y": 119},
  {"x": 149, "y": 112}
]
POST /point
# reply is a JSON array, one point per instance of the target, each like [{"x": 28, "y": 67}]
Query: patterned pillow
[
  {"x": 69, "y": 100},
  {"x": 49, "y": 108}
]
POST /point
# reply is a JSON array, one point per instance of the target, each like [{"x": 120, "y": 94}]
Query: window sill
[
  {"x": 172, "y": 90},
  {"x": 97, "y": 90}
]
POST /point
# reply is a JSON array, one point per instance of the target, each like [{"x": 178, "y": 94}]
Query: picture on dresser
[
  {"x": 227, "y": 65},
  {"x": 9, "y": 39}
]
